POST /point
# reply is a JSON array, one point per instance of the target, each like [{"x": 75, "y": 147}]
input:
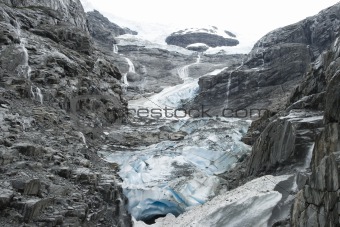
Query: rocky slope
[
  {"x": 275, "y": 66},
  {"x": 156, "y": 69},
  {"x": 56, "y": 89},
  {"x": 103, "y": 31},
  {"x": 298, "y": 134},
  {"x": 308, "y": 101},
  {"x": 212, "y": 37},
  {"x": 305, "y": 134}
]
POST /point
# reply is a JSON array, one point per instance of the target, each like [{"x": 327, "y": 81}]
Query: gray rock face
[
  {"x": 69, "y": 11},
  {"x": 5, "y": 198},
  {"x": 61, "y": 61},
  {"x": 56, "y": 89},
  {"x": 264, "y": 86},
  {"x": 274, "y": 67},
  {"x": 206, "y": 36},
  {"x": 158, "y": 68},
  {"x": 154, "y": 68},
  {"x": 284, "y": 140},
  {"x": 103, "y": 31},
  {"x": 321, "y": 194}
]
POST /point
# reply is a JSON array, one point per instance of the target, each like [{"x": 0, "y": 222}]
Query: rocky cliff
[
  {"x": 56, "y": 90},
  {"x": 103, "y": 31},
  {"x": 273, "y": 69},
  {"x": 304, "y": 136},
  {"x": 317, "y": 203},
  {"x": 307, "y": 104}
]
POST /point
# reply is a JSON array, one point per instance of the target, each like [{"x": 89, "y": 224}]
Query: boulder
[
  {"x": 27, "y": 187},
  {"x": 6, "y": 196},
  {"x": 7, "y": 155},
  {"x": 133, "y": 77},
  {"x": 28, "y": 149},
  {"x": 32, "y": 208}
]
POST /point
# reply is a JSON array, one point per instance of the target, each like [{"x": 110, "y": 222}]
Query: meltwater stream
[
  {"x": 130, "y": 70},
  {"x": 175, "y": 174},
  {"x": 174, "y": 96},
  {"x": 24, "y": 69}
]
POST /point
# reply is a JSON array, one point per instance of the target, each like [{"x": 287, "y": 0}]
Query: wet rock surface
[
  {"x": 286, "y": 141},
  {"x": 281, "y": 139},
  {"x": 103, "y": 31},
  {"x": 49, "y": 176},
  {"x": 317, "y": 203},
  {"x": 56, "y": 90},
  {"x": 274, "y": 67}
]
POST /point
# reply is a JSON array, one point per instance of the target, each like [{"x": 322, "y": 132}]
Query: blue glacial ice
[{"x": 173, "y": 176}]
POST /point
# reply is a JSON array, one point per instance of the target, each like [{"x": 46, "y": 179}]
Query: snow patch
[
  {"x": 197, "y": 45},
  {"x": 213, "y": 30}
]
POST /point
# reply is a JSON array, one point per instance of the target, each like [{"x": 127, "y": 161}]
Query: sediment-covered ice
[{"x": 250, "y": 205}]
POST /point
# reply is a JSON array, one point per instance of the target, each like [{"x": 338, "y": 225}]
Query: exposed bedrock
[{"x": 274, "y": 68}]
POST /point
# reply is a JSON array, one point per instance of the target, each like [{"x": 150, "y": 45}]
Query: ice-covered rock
[{"x": 211, "y": 36}]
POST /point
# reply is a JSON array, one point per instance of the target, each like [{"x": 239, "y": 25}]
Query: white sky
[{"x": 245, "y": 17}]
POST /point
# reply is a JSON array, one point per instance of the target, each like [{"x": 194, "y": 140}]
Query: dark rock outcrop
[
  {"x": 274, "y": 67},
  {"x": 317, "y": 203},
  {"x": 311, "y": 93},
  {"x": 209, "y": 37},
  {"x": 103, "y": 31},
  {"x": 264, "y": 86},
  {"x": 286, "y": 141},
  {"x": 307, "y": 123}
]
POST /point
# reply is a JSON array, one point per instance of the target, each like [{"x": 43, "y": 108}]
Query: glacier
[
  {"x": 173, "y": 176},
  {"x": 170, "y": 177}
]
